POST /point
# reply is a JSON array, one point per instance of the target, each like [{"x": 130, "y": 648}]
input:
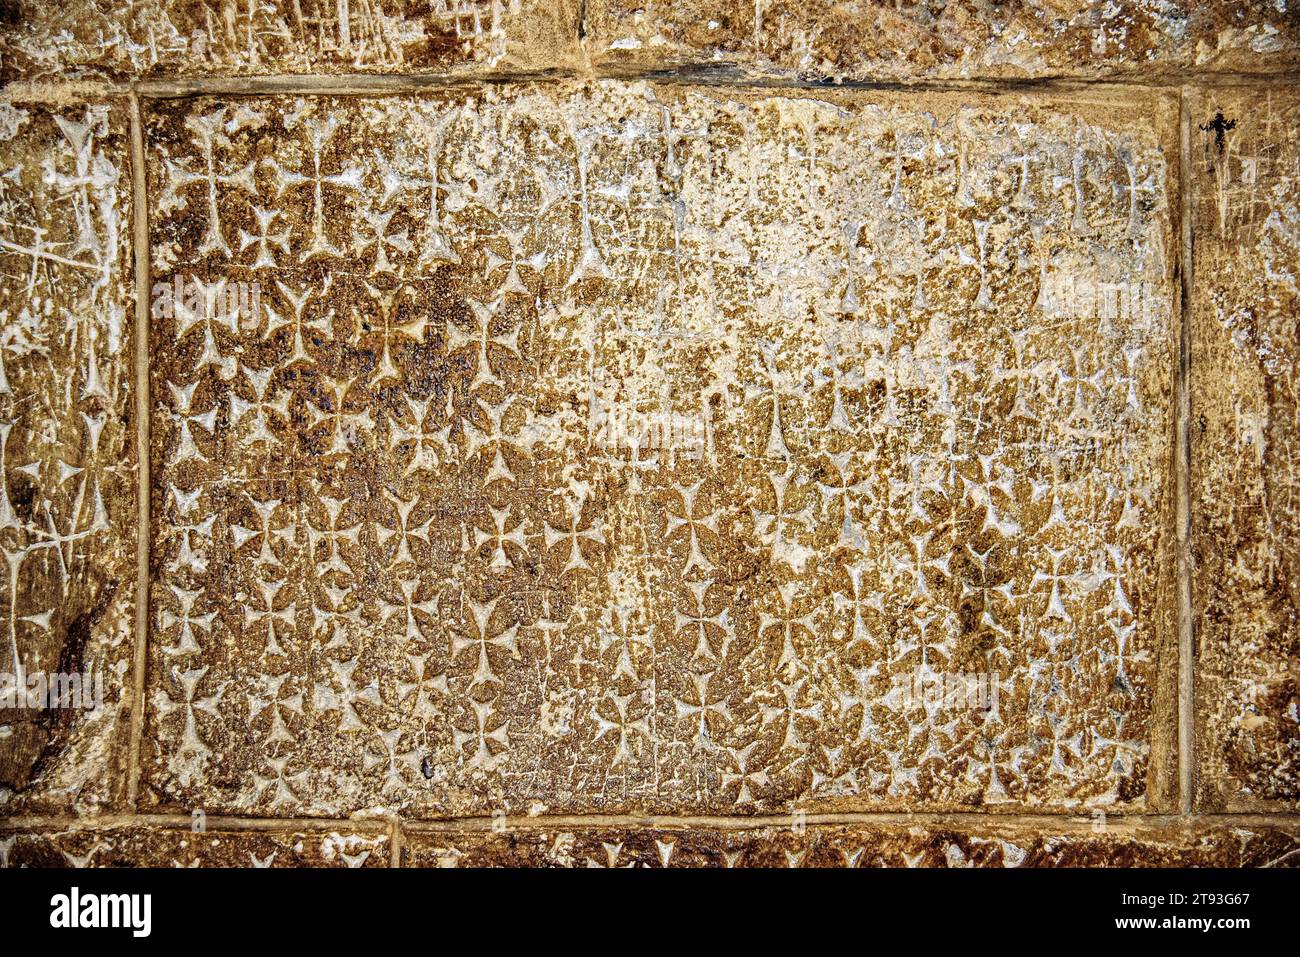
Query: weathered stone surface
[
  {"x": 887, "y": 39},
  {"x": 118, "y": 38},
  {"x": 1245, "y": 428},
  {"x": 1068, "y": 843},
  {"x": 615, "y": 447},
  {"x": 815, "y": 39},
  {"x": 154, "y": 845},
  {"x": 67, "y": 454}
]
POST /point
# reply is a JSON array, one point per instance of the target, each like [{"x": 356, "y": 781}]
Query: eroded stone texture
[
  {"x": 874, "y": 39},
  {"x": 67, "y": 455},
  {"x": 957, "y": 844},
  {"x": 39, "y": 39},
  {"x": 146, "y": 845},
  {"x": 1245, "y": 428},
  {"x": 612, "y": 447}
]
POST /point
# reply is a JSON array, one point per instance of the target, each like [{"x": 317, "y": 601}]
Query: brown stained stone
[
  {"x": 952, "y": 39},
  {"x": 67, "y": 453},
  {"x": 1068, "y": 843},
  {"x": 126, "y": 38},
  {"x": 610, "y": 447},
  {"x": 1245, "y": 425},
  {"x": 152, "y": 845}
]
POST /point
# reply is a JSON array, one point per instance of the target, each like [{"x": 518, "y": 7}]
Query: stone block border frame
[{"x": 1225, "y": 790}]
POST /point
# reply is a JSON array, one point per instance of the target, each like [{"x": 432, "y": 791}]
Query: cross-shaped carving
[
  {"x": 208, "y": 136},
  {"x": 499, "y": 536},
  {"x": 287, "y": 616},
  {"x": 698, "y": 621},
  {"x": 481, "y": 619},
  {"x": 344, "y": 426},
  {"x": 624, "y": 627},
  {"x": 383, "y": 240},
  {"x": 574, "y": 535},
  {"x": 482, "y": 341},
  {"x": 791, "y": 711},
  {"x": 241, "y": 535},
  {"x": 850, "y": 535},
  {"x": 430, "y": 446},
  {"x": 260, "y": 408},
  {"x": 743, "y": 775},
  {"x": 191, "y": 743},
  {"x": 298, "y": 302},
  {"x": 493, "y": 437},
  {"x": 773, "y": 527},
  {"x": 692, "y": 522},
  {"x": 187, "y": 620},
  {"x": 483, "y": 759},
  {"x": 776, "y": 447},
  {"x": 319, "y": 133},
  {"x": 787, "y": 623},
  {"x": 185, "y": 419},
  {"x": 264, "y": 239},
  {"x": 623, "y": 725},
  {"x": 701, "y": 707},
  {"x": 408, "y": 607},
  {"x": 536, "y": 262},
  {"x": 276, "y": 700},
  {"x": 1055, "y": 605},
  {"x": 348, "y": 696},
  {"x": 860, "y": 599},
  {"x": 332, "y": 535},
  {"x": 403, "y": 531},
  {"x": 993, "y": 478},
  {"x": 915, "y": 564},
  {"x": 435, "y": 248},
  {"x": 415, "y": 330}
]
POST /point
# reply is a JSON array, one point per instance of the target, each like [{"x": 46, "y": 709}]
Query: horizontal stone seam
[
  {"x": 362, "y": 84},
  {"x": 1046, "y": 823}
]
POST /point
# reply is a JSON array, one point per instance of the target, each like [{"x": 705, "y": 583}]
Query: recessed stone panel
[
  {"x": 68, "y": 480},
  {"x": 1245, "y": 423},
  {"x": 607, "y": 447}
]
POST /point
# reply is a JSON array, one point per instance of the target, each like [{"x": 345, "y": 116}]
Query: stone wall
[{"x": 555, "y": 433}]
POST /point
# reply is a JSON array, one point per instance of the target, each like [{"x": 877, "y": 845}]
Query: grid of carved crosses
[
  {"x": 1246, "y": 423},
  {"x": 610, "y": 447},
  {"x": 67, "y": 450}
]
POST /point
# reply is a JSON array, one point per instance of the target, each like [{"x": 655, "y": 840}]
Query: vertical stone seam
[
  {"x": 1183, "y": 404},
  {"x": 140, "y": 240},
  {"x": 395, "y": 840}
]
